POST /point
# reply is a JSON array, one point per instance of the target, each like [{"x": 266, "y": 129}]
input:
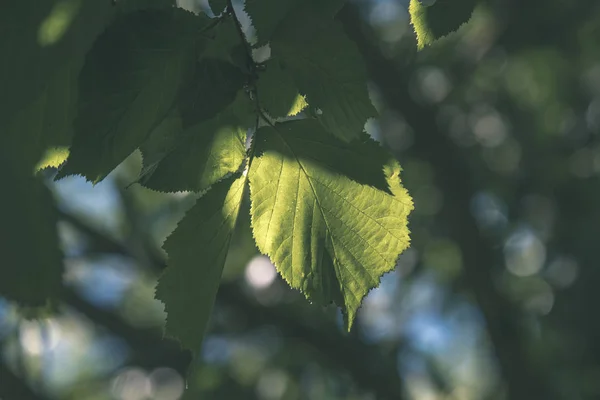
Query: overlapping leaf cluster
[{"x": 327, "y": 204}]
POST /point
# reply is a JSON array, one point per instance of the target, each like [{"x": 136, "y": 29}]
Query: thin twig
[{"x": 238, "y": 26}]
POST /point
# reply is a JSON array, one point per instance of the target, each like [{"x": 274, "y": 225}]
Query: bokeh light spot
[{"x": 260, "y": 272}]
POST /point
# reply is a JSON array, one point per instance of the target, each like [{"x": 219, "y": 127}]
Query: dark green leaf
[
  {"x": 44, "y": 44},
  {"x": 197, "y": 250},
  {"x": 199, "y": 156},
  {"x": 41, "y": 77},
  {"x": 39, "y": 38},
  {"x": 32, "y": 267},
  {"x": 277, "y": 91},
  {"x": 328, "y": 68},
  {"x": 128, "y": 85},
  {"x": 127, "y": 6},
  {"x": 215, "y": 86},
  {"x": 268, "y": 15},
  {"x": 46, "y": 121},
  {"x": 226, "y": 44}
]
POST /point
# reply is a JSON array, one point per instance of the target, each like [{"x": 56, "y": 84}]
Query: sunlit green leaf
[
  {"x": 53, "y": 158},
  {"x": 438, "y": 19},
  {"x": 328, "y": 224},
  {"x": 192, "y": 159}
]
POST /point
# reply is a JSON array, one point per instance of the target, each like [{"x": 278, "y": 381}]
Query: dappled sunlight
[
  {"x": 103, "y": 282},
  {"x": 137, "y": 384},
  {"x": 562, "y": 272},
  {"x": 489, "y": 211},
  {"x": 272, "y": 384},
  {"x": 37, "y": 337},
  {"x": 56, "y": 24},
  {"x": 260, "y": 273},
  {"x": 100, "y": 202},
  {"x": 524, "y": 253},
  {"x": 166, "y": 384},
  {"x": 131, "y": 384},
  {"x": 431, "y": 85},
  {"x": 489, "y": 129}
]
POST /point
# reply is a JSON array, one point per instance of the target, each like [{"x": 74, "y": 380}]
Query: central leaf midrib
[
  {"x": 337, "y": 262},
  {"x": 309, "y": 179}
]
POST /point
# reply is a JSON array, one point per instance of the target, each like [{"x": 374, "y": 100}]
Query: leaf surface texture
[
  {"x": 128, "y": 85},
  {"x": 197, "y": 250},
  {"x": 330, "y": 228}
]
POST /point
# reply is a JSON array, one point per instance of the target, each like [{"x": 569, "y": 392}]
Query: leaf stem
[
  {"x": 251, "y": 150},
  {"x": 238, "y": 26},
  {"x": 259, "y": 115},
  {"x": 253, "y": 92},
  {"x": 212, "y": 25},
  {"x": 265, "y": 117}
]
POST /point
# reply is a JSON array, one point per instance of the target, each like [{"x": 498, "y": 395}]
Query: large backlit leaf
[{"x": 332, "y": 225}]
